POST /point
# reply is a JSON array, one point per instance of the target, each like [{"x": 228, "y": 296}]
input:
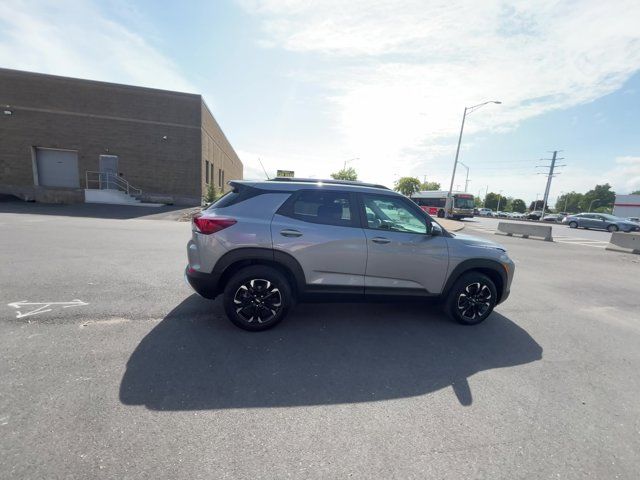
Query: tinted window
[
  {"x": 238, "y": 194},
  {"x": 464, "y": 202},
  {"x": 326, "y": 207},
  {"x": 392, "y": 214}
]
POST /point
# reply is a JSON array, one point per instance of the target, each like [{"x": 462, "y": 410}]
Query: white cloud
[
  {"x": 400, "y": 73},
  {"x": 78, "y": 39},
  {"x": 626, "y": 174}
]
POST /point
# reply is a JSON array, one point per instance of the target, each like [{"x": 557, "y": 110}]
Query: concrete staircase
[{"x": 115, "y": 197}]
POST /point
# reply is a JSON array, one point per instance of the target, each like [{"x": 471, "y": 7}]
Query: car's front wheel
[
  {"x": 573, "y": 224},
  {"x": 257, "y": 298},
  {"x": 471, "y": 299},
  {"x": 612, "y": 228}
]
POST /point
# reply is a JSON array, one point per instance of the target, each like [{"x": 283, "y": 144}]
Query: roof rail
[{"x": 329, "y": 181}]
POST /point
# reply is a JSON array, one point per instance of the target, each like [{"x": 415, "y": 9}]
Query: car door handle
[
  {"x": 290, "y": 233},
  {"x": 380, "y": 240}
]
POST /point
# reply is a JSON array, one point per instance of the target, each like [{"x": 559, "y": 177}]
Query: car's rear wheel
[
  {"x": 573, "y": 224},
  {"x": 612, "y": 228},
  {"x": 471, "y": 299},
  {"x": 257, "y": 298}
]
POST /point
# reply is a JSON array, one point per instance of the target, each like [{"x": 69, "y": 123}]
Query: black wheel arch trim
[
  {"x": 267, "y": 255},
  {"x": 479, "y": 264}
]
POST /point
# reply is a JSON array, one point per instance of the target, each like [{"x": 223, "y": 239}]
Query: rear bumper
[{"x": 204, "y": 284}]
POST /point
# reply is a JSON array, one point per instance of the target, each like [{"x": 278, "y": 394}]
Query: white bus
[{"x": 435, "y": 203}]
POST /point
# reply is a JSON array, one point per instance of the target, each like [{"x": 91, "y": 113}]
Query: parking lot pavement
[
  {"x": 149, "y": 381},
  {"x": 561, "y": 233}
]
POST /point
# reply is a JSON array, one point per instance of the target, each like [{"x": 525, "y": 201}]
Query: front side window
[
  {"x": 326, "y": 207},
  {"x": 392, "y": 214}
]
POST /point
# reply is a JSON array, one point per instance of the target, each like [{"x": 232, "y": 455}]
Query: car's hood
[{"x": 476, "y": 241}]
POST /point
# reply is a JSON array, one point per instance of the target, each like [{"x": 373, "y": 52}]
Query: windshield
[{"x": 464, "y": 202}]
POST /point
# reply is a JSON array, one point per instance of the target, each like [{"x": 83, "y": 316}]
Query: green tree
[
  {"x": 537, "y": 205},
  {"x": 430, "y": 186},
  {"x": 569, "y": 202},
  {"x": 348, "y": 173},
  {"x": 211, "y": 194},
  {"x": 637, "y": 192},
  {"x": 477, "y": 201},
  {"x": 491, "y": 201},
  {"x": 518, "y": 205},
  {"x": 407, "y": 185},
  {"x": 601, "y": 196},
  {"x": 508, "y": 204}
]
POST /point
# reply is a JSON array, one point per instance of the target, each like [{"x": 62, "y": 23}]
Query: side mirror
[{"x": 434, "y": 229}]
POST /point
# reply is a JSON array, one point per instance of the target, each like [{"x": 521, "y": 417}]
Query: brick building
[{"x": 60, "y": 136}]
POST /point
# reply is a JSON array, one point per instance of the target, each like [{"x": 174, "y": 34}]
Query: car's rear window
[{"x": 237, "y": 194}]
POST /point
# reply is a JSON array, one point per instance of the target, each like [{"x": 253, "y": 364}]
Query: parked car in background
[
  {"x": 485, "y": 212},
  {"x": 534, "y": 215},
  {"x": 634, "y": 219},
  {"x": 601, "y": 221},
  {"x": 552, "y": 217},
  {"x": 517, "y": 215},
  {"x": 502, "y": 214}
]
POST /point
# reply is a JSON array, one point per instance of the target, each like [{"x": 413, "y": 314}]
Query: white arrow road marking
[{"x": 42, "y": 307}]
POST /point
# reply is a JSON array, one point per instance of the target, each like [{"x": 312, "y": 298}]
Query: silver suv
[{"x": 266, "y": 245}]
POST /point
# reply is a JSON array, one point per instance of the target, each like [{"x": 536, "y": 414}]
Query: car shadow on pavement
[{"x": 195, "y": 359}]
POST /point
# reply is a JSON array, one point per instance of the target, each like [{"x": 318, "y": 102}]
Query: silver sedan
[{"x": 600, "y": 221}]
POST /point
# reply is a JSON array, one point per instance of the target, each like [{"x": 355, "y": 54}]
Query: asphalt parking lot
[
  {"x": 561, "y": 233},
  {"x": 122, "y": 372}
]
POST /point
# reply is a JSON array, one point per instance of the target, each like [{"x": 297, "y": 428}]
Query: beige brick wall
[
  {"x": 97, "y": 118},
  {"x": 218, "y": 151}
]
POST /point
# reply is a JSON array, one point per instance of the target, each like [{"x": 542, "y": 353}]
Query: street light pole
[
  {"x": 499, "y": 198},
  {"x": 344, "y": 166},
  {"x": 592, "y": 202},
  {"x": 455, "y": 162},
  {"x": 466, "y": 182}
]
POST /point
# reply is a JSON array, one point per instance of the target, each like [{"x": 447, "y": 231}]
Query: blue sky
[{"x": 307, "y": 85}]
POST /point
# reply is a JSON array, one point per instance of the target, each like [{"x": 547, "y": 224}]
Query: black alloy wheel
[
  {"x": 257, "y": 297},
  {"x": 471, "y": 299}
]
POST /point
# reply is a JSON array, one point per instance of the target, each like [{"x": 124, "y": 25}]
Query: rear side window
[
  {"x": 238, "y": 193},
  {"x": 319, "y": 206}
]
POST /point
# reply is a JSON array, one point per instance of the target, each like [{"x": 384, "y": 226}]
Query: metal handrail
[{"x": 108, "y": 180}]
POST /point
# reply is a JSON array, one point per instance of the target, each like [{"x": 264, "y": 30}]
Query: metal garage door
[{"x": 57, "y": 168}]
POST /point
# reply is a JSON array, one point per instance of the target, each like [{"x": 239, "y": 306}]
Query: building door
[
  {"x": 57, "y": 168},
  {"x": 108, "y": 171}
]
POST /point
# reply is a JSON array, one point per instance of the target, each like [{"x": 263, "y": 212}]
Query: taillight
[{"x": 207, "y": 226}]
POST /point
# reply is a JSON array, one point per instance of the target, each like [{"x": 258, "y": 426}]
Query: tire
[
  {"x": 485, "y": 296},
  {"x": 440, "y": 213},
  {"x": 257, "y": 298},
  {"x": 612, "y": 228},
  {"x": 573, "y": 224}
]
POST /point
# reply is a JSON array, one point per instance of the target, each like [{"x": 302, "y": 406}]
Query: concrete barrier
[
  {"x": 526, "y": 230},
  {"x": 624, "y": 242}
]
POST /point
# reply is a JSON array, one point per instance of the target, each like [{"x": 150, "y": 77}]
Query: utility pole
[
  {"x": 499, "y": 199},
  {"x": 550, "y": 175}
]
